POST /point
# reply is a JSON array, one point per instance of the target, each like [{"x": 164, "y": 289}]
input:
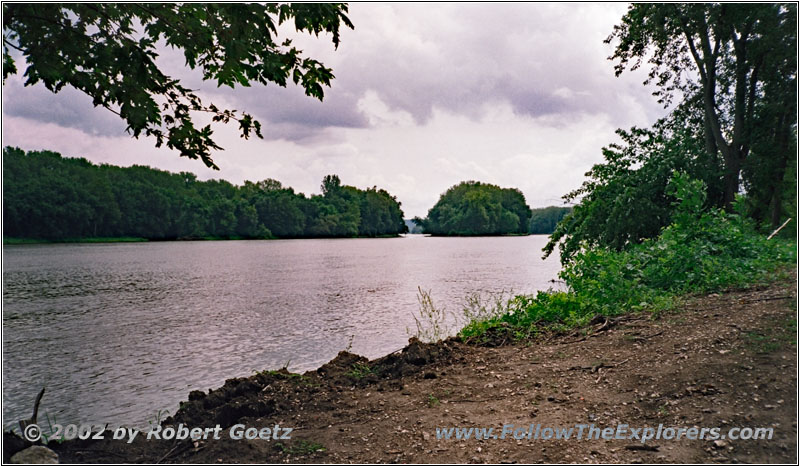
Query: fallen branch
[
  {"x": 641, "y": 447},
  {"x": 778, "y": 229},
  {"x": 596, "y": 368},
  {"x": 171, "y": 451},
  {"x": 607, "y": 323},
  {"x": 766, "y": 299},
  {"x": 640, "y": 338}
]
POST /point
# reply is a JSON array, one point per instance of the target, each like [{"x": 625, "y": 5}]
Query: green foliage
[
  {"x": 301, "y": 448},
  {"x": 54, "y": 198},
  {"x": 474, "y": 208},
  {"x": 625, "y": 199},
  {"x": 360, "y": 371},
  {"x": 108, "y": 51},
  {"x": 544, "y": 220},
  {"x": 780, "y": 334},
  {"x": 432, "y": 401},
  {"x": 701, "y": 250},
  {"x": 737, "y": 65}
]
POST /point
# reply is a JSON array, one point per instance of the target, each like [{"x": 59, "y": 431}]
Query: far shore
[{"x": 41, "y": 241}]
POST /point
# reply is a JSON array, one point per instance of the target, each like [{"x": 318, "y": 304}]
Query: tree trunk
[
  {"x": 776, "y": 202},
  {"x": 731, "y": 179}
]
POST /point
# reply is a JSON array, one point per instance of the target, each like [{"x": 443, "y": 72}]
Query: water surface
[{"x": 118, "y": 331}]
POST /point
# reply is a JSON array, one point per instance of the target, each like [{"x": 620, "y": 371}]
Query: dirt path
[{"x": 721, "y": 361}]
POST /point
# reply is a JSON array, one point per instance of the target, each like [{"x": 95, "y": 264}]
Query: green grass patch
[
  {"x": 301, "y": 447},
  {"x": 360, "y": 371},
  {"x": 432, "y": 401},
  {"x": 777, "y": 336}
]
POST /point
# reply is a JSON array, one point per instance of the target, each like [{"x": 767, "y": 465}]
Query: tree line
[
  {"x": 544, "y": 220},
  {"x": 46, "y": 196},
  {"x": 475, "y": 208}
]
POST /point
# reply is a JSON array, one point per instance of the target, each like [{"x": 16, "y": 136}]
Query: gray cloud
[
  {"x": 69, "y": 108},
  {"x": 425, "y": 96},
  {"x": 542, "y": 59}
]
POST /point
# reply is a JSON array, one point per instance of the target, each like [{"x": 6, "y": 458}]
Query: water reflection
[{"x": 118, "y": 331}]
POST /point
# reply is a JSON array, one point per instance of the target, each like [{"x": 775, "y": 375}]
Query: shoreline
[
  {"x": 38, "y": 241},
  {"x": 13, "y": 241},
  {"x": 450, "y": 377}
]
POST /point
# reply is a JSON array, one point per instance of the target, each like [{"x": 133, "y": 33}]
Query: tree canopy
[
  {"x": 732, "y": 70},
  {"x": 544, "y": 220},
  {"x": 46, "y": 196},
  {"x": 475, "y": 208},
  {"x": 738, "y": 59},
  {"x": 109, "y": 51}
]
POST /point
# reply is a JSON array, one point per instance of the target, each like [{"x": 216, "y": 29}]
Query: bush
[{"x": 700, "y": 251}]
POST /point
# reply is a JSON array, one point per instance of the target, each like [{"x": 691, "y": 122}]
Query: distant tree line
[
  {"x": 475, "y": 208},
  {"x": 544, "y": 220},
  {"x": 46, "y": 196}
]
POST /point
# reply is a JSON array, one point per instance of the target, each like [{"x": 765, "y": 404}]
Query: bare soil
[{"x": 722, "y": 360}]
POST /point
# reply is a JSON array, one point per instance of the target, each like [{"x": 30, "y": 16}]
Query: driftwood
[{"x": 32, "y": 421}]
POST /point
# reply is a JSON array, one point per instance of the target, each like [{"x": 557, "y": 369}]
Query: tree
[
  {"x": 544, "y": 220},
  {"x": 50, "y": 197},
  {"x": 475, "y": 208},
  {"x": 739, "y": 54},
  {"x": 108, "y": 51},
  {"x": 625, "y": 199},
  {"x": 331, "y": 185}
]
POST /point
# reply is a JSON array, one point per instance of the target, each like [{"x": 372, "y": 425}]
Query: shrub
[{"x": 700, "y": 251}]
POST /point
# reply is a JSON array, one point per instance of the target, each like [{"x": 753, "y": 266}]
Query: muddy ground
[{"x": 722, "y": 360}]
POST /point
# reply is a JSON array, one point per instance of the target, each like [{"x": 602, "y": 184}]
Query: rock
[
  {"x": 35, "y": 455},
  {"x": 719, "y": 444}
]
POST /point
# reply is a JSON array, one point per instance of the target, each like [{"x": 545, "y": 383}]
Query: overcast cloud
[{"x": 425, "y": 96}]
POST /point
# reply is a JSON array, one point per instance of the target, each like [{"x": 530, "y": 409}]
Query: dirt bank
[{"x": 726, "y": 360}]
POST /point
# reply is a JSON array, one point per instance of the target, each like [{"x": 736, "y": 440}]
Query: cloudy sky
[{"x": 425, "y": 96}]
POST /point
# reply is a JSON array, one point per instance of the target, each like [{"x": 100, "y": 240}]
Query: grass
[
  {"x": 360, "y": 371},
  {"x": 432, "y": 401},
  {"x": 159, "y": 417},
  {"x": 433, "y": 323},
  {"x": 47, "y": 437},
  {"x": 301, "y": 447},
  {"x": 779, "y": 335},
  {"x": 284, "y": 374}
]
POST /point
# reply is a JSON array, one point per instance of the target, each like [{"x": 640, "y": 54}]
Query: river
[{"x": 119, "y": 331}]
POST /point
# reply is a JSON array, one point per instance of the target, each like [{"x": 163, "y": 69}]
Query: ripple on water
[{"x": 119, "y": 331}]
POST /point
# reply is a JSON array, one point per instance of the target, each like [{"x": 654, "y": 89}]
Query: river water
[{"x": 117, "y": 332}]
